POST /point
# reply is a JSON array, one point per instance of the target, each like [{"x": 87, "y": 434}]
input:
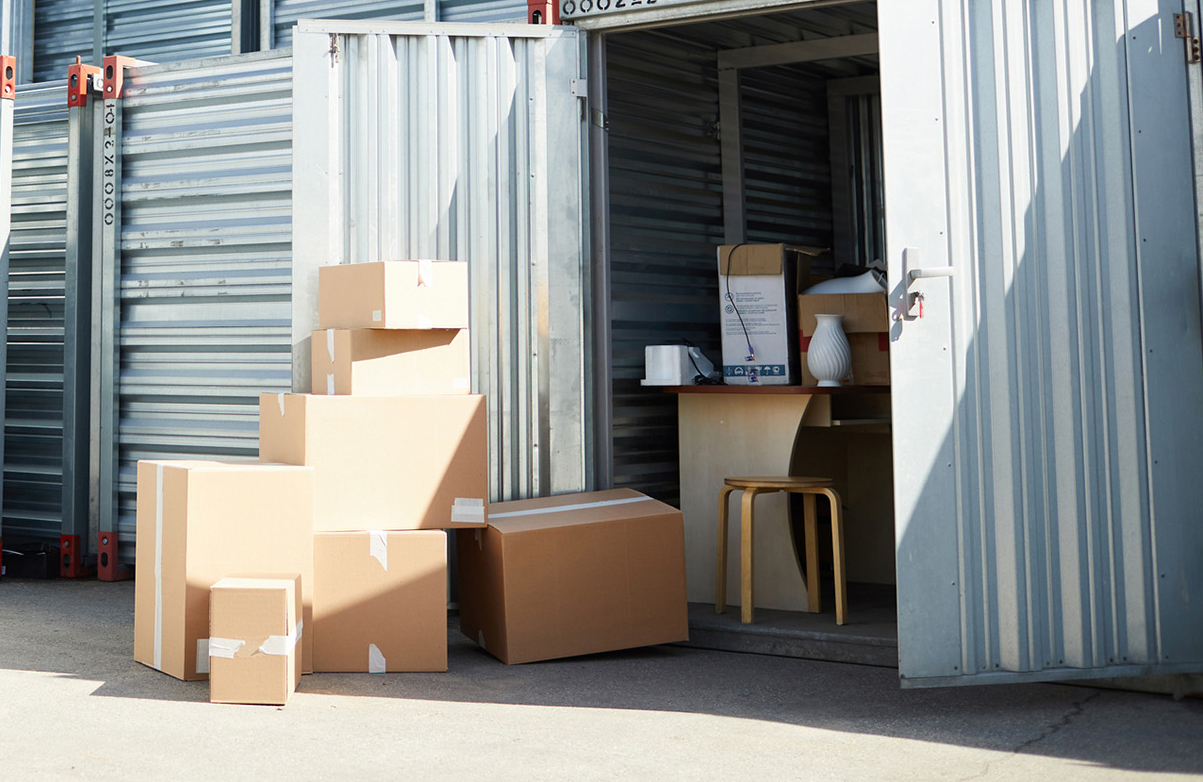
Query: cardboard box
[
  {"x": 393, "y": 295},
  {"x": 573, "y": 574},
  {"x": 254, "y": 625},
  {"x": 866, "y": 324},
  {"x": 384, "y": 462},
  {"x": 758, "y": 319},
  {"x": 199, "y": 522},
  {"x": 384, "y": 362},
  {"x": 380, "y": 601}
]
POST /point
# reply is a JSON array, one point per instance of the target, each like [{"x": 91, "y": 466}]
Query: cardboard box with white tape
[
  {"x": 393, "y": 295},
  {"x": 380, "y": 601},
  {"x": 417, "y": 461},
  {"x": 254, "y": 626},
  {"x": 198, "y": 522},
  {"x": 573, "y": 574},
  {"x": 384, "y": 362}
]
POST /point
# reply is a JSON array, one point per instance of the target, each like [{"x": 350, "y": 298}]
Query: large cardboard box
[
  {"x": 573, "y": 574},
  {"x": 254, "y": 624},
  {"x": 758, "y": 318},
  {"x": 866, "y": 324},
  {"x": 384, "y": 462},
  {"x": 386, "y": 362},
  {"x": 393, "y": 295},
  {"x": 199, "y": 522},
  {"x": 380, "y": 601}
]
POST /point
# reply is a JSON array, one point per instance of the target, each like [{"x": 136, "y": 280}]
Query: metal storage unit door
[
  {"x": 62, "y": 29},
  {"x": 286, "y": 13},
  {"x": 1047, "y": 404},
  {"x": 205, "y": 292},
  {"x": 33, "y": 431},
  {"x": 461, "y": 142}
]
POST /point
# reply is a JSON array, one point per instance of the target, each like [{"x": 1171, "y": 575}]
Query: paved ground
[{"x": 74, "y": 704}]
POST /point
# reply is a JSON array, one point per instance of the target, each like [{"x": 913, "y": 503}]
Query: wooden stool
[{"x": 808, "y": 487}]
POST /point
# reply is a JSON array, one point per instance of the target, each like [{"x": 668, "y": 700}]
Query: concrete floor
[{"x": 74, "y": 704}]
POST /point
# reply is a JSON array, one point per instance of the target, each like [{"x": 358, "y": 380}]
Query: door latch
[{"x": 913, "y": 306}]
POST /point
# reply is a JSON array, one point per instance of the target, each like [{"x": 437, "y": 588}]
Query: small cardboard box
[
  {"x": 574, "y": 574},
  {"x": 757, "y": 284},
  {"x": 380, "y": 601},
  {"x": 384, "y": 462},
  {"x": 866, "y": 324},
  {"x": 393, "y": 295},
  {"x": 254, "y": 624},
  {"x": 199, "y": 522},
  {"x": 386, "y": 362}
]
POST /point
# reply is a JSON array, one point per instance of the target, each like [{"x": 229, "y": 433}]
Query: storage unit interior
[{"x": 800, "y": 121}]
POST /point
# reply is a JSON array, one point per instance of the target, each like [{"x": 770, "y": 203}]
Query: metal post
[
  {"x": 8, "y": 91},
  {"x": 75, "y": 559},
  {"x": 599, "y": 259}
]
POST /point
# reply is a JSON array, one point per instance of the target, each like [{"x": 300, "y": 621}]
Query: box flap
[
  {"x": 572, "y": 509},
  {"x": 750, "y": 259}
]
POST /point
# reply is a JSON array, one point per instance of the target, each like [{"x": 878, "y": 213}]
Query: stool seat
[
  {"x": 780, "y": 483},
  {"x": 809, "y": 488}
]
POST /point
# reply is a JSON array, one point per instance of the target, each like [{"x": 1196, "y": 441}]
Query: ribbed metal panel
[
  {"x": 33, "y": 431},
  {"x": 1048, "y": 408},
  {"x": 205, "y": 297},
  {"x": 482, "y": 11},
  {"x": 464, "y": 142},
  {"x": 287, "y": 13},
  {"x": 62, "y": 29}
]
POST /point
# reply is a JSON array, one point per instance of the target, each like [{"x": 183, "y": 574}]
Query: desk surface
[{"x": 810, "y": 390}]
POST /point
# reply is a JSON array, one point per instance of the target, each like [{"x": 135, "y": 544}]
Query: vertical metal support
[
  {"x": 75, "y": 559},
  {"x": 735, "y": 221},
  {"x": 1194, "y": 91},
  {"x": 106, "y": 321},
  {"x": 16, "y": 36},
  {"x": 99, "y": 27},
  {"x": 267, "y": 25},
  {"x": 8, "y": 91},
  {"x": 599, "y": 324}
]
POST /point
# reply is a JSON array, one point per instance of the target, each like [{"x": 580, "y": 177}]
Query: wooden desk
[{"x": 782, "y": 430}]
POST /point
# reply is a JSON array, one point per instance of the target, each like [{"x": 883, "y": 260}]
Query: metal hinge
[
  {"x": 600, "y": 120},
  {"x": 580, "y": 88},
  {"x": 1184, "y": 28}
]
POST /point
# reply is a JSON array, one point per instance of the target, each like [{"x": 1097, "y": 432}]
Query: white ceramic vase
[{"x": 829, "y": 358}]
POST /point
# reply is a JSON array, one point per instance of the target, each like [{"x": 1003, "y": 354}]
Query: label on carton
[
  {"x": 376, "y": 661},
  {"x": 378, "y": 545},
  {"x": 468, "y": 510}
]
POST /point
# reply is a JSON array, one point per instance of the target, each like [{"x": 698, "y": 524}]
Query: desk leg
[
  {"x": 814, "y": 603},
  {"x": 720, "y": 582},
  {"x": 837, "y": 544},
  {"x": 747, "y": 551}
]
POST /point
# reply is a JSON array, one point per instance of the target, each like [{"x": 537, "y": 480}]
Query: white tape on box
[
  {"x": 426, "y": 273},
  {"x": 376, "y": 661},
  {"x": 158, "y": 567},
  {"x": 468, "y": 510},
  {"x": 329, "y": 385},
  {"x": 225, "y": 648},
  {"x": 378, "y": 545},
  {"x": 330, "y": 344},
  {"x": 563, "y": 508},
  {"x": 423, "y": 321},
  {"x": 202, "y": 655},
  {"x": 377, "y": 316},
  {"x": 280, "y": 401},
  {"x": 281, "y": 645}
]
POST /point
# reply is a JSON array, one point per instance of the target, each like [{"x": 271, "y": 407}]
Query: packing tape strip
[
  {"x": 378, "y": 546},
  {"x": 329, "y": 384},
  {"x": 281, "y": 645},
  {"x": 330, "y": 344},
  {"x": 377, "y": 316},
  {"x": 468, "y": 510},
  {"x": 423, "y": 321},
  {"x": 426, "y": 273},
  {"x": 202, "y": 655},
  {"x": 376, "y": 661},
  {"x": 563, "y": 508},
  {"x": 280, "y": 400},
  {"x": 225, "y": 648},
  {"x": 158, "y": 567}
]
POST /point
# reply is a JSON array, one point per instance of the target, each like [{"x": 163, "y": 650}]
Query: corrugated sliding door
[
  {"x": 1048, "y": 404},
  {"x": 205, "y": 260},
  {"x": 460, "y": 142},
  {"x": 33, "y": 426}
]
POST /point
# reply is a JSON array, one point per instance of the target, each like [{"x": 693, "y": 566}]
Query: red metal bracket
[
  {"x": 542, "y": 12},
  {"x": 71, "y": 560},
  {"x": 114, "y": 75},
  {"x": 107, "y": 568},
  {"x": 8, "y": 77},
  {"x": 77, "y": 82}
]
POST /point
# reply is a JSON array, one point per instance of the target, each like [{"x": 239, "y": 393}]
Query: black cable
[{"x": 747, "y": 337}]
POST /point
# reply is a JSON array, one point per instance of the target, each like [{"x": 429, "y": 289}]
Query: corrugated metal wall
[
  {"x": 33, "y": 427},
  {"x": 156, "y": 30},
  {"x": 1049, "y": 412},
  {"x": 286, "y": 13},
  {"x": 206, "y": 262},
  {"x": 464, "y": 144}
]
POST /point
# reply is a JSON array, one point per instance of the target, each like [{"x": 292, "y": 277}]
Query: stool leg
[
  {"x": 837, "y": 545},
  {"x": 814, "y": 603},
  {"x": 720, "y": 579},
  {"x": 747, "y": 555}
]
